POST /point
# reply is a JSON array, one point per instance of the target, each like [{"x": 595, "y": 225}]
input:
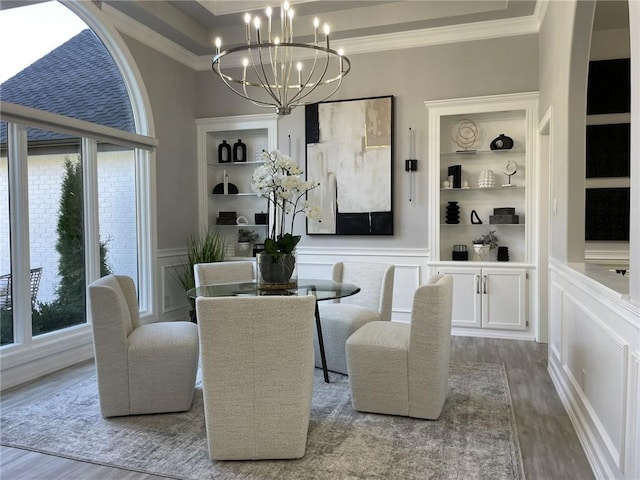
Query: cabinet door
[
  {"x": 504, "y": 298},
  {"x": 466, "y": 296}
]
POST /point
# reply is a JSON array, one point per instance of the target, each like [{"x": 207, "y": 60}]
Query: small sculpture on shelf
[
  {"x": 510, "y": 168},
  {"x": 486, "y": 179},
  {"x": 464, "y": 133}
]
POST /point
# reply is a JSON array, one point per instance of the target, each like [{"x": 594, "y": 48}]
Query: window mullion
[
  {"x": 19, "y": 228},
  {"x": 90, "y": 204}
]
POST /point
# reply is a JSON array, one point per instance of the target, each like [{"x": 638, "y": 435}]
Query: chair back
[
  {"x": 257, "y": 364},
  {"x": 223, "y": 272},
  {"x": 429, "y": 345},
  {"x": 114, "y": 314},
  {"x": 6, "y": 288},
  {"x": 375, "y": 281}
]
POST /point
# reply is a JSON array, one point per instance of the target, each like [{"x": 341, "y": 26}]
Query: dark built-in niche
[{"x": 608, "y": 150}]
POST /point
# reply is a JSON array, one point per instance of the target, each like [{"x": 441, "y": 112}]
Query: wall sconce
[{"x": 411, "y": 165}]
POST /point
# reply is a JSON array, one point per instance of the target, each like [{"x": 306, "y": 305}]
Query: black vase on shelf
[
  {"x": 239, "y": 151},
  {"x": 452, "y": 213},
  {"x": 224, "y": 152},
  {"x": 503, "y": 254}
]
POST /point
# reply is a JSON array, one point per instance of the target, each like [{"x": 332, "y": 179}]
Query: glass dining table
[{"x": 319, "y": 288}]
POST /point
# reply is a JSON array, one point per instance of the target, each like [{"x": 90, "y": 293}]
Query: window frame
[{"x": 27, "y": 348}]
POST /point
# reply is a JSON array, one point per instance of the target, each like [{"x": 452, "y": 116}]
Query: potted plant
[
  {"x": 280, "y": 180},
  {"x": 246, "y": 238},
  {"x": 484, "y": 244},
  {"x": 201, "y": 249}
]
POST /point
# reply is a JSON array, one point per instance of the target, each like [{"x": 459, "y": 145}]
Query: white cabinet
[
  {"x": 491, "y": 293},
  {"x": 488, "y": 297},
  {"x": 258, "y": 133}
]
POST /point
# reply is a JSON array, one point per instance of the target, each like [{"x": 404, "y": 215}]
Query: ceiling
[{"x": 194, "y": 24}]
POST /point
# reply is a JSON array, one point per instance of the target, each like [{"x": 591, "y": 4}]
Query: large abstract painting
[{"x": 350, "y": 152}]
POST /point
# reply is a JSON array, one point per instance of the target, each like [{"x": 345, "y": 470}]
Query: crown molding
[
  {"x": 136, "y": 30},
  {"x": 372, "y": 43}
]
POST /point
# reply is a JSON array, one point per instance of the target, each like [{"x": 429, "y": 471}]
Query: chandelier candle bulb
[
  {"x": 268, "y": 11},
  {"x": 247, "y": 21},
  {"x": 316, "y": 24},
  {"x": 326, "y": 34}
]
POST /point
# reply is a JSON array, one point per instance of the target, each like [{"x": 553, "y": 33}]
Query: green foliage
[
  {"x": 71, "y": 292},
  {"x": 285, "y": 244},
  {"x": 490, "y": 239},
  {"x": 247, "y": 236},
  {"x": 6, "y": 326},
  {"x": 207, "y": 249}
]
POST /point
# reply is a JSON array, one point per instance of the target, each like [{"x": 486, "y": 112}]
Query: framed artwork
[{"x": 349, "y": 147}]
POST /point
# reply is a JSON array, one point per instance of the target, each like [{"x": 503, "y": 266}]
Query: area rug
[{"x": 474, "y": 438}]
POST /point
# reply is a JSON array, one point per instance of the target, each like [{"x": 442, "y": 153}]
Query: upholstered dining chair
[
  {"x": 141, "y": 368},
  {"x": 403, "y": 369},
  {"x": 223, "y": 272},
  {"x": 343, "y": 317},
  {"x": 257, "y": 375}
]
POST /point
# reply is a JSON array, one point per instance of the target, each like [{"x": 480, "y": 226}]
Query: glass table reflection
[{"x": 319, "y": 288}]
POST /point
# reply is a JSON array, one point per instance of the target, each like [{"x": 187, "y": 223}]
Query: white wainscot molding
[
  {"x": 411, "y": 269},
  {"x": 594, "y": 358},
  {"x": 172, "y": 300}
]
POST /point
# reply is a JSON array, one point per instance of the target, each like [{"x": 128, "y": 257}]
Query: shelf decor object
[
  {"x": 276, "y": 71},
  {"x": 464, "y": 133},
  {"x": 501, "y": 142},
  {"x": 239, "y": 151},
  {"x": 510, "y": 168},
  {"x": 453, "y": 213},
  {"x": 503, "y": 254},
  {"x": 224, "y": 152},
  {"x": 486, "y": 179}
]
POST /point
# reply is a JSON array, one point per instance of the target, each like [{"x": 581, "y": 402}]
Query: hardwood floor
[{"x": 549, "y": 444}]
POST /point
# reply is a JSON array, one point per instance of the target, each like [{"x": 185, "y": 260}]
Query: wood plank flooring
[{"x": 550, "y": 447}]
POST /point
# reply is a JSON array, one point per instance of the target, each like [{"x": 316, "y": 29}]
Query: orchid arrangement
[{"x": 279, "y": 179}]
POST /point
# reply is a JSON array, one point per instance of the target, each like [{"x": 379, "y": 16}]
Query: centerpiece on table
[{"x": 279, "y": 179}]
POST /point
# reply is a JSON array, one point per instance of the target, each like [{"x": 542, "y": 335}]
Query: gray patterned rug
[{"x": 475, "y": 437}]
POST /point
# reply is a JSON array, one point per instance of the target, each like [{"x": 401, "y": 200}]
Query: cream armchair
[
  {"x": 257, "y": 375},
  {"x": 403, "y": 369},
  {"x": 223, "y": 272},
  {"x": 140, "y": 368},
  {"x": 343, "y": 317}
]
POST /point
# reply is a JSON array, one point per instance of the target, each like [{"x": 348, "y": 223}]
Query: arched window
[{"x": 72, "y": 166}]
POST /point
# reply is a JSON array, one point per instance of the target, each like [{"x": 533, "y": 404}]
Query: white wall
[{"x": 594, "y": 329}]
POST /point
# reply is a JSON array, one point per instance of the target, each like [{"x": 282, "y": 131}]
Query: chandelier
[{"x": 272, "y": 70}]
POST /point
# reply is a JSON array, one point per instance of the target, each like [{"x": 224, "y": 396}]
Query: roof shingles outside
[{"x": 78, "y": 79}]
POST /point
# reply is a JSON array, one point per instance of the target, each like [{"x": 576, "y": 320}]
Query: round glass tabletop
[{"x": 321, "y": 289}]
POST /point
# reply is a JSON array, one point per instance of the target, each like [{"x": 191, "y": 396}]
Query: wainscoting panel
[
  {"x": 411, "y": 270},
  {"x": 596, "y": 363},
  {"x": 555, "y": 321},
  {"x": 172, "y": 299},
  {"x": 596, "y": 368}
]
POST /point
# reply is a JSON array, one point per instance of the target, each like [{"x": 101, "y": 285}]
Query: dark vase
[
  {"x": 224, "y": 152},
  {"x": 502, "y": 142},
  {"x": 452, "y": 213},
  {"x": 239, "y": 151}
]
